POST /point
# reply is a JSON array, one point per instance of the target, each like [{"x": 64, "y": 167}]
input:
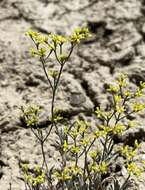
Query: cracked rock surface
[{"x": 117, "y": 45}]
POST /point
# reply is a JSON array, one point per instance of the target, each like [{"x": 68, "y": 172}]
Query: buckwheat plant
[{"x": 87, "y": 153}]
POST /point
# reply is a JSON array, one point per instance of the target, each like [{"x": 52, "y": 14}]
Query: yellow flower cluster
[
  {"x": 41, "y": 52},
  {"x": 75, "y": 149},
  {"x": 108, "y": 130},
  {"x": 93, "y": 154},
  {"x": 79, "y": 128},
  {"x": 121, "y": 80},
  {"x": 79, "y": 34},
  {"x": 31, "y": 115},
  {"x": 68, "y": 172},
  {"x": 35, "y": 179},
  {"x": 101, "y": 168},
  {"x": 132, "y": 124},
  {"x": 99, "y": 112},
  {"x": 102, "y": 114},
  {"x": 130, "y": 152},
  {"x": 63, "y": 175},
  {"x": 134, "y": 169},
  {"x": 120, "y": 109},
  {"x": 53, "y": 73},
  {"x": 58, "y": 39},
  {"x": 50, "y": 42},
  {"x": 85, "y": 141},
  {"x": 32, "y": 33},
  {"x": 138, "y": 107},
  {"x": 113, "y": 89},
  {"x": 75, "y": 170},
  {"x": 77, "y": 133},
  {"x": 118, "y": 129},
  {"x": 65, "y": 146}
]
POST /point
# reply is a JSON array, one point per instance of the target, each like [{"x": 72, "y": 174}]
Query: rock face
[{"x": 117, "y": 45}]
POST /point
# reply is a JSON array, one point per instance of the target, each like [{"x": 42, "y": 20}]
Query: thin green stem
[
  {"x": 76, "y": 155},
  {"x": 44, "y": 69},
  {"x": 43, "y": 154},
  {"x": 123, "y": 187},
  {"x": 85, "y": 165},
  {"x": 48, "y": 55},
  {"x": 105, "y": 148},
  {"x": 126, "y": 115},
  {"x": 54, "y": 89},
  {"x": 36, "y": 135},
  {"x": 48, "y": 133},
  {"x": 54, "y": 93}
]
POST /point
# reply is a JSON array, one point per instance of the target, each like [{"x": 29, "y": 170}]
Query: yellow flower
[
  {"x": 118, "y": 129},
  {"x": 117, "y": 98},
  {"x": 138, "y": 107},
  {"x": 93, "y": 154},
  {"x": 65, "y": 146},
  {"x": 28, "y": 178},
  {"x": 58, "y": 39},
  {"x": 132, "y": 124},
  {"x": 82, "y": 126},
  {"x": 25, "y": 167},
  {"x": 75, "y": 170},
  {"x": 38, "y": 169},
  {"x": 133, "y": 169},
  {"x": 113, "y": 89},
  {"x": 143, "y": 161},
  {"x": 98, "y": 112},
  {"x": 31, "y": 115},
  {"x": 41, "y": 52},
  {"x": 79, "y": 34},
  {"x": 41, "y": 39},
  {"x": 85, "y": 141},
  {"x": 33, "y": 52},
  {"x": 32, "y": 33},
  {"x": 100, "y": 168},
  {"x": 74, "y": 133},
  {"x": 53, "y": 73},
  {"x": 63, "y": 175},
  {"x": 130, "y": 152},
  {"x": 75, "y": 149},
  {"x": 101, "y": 114},
  {"x": 139, "y": 92},
  {"x": 66, "y": 129},
  {"x": 63, "y": 58},
  {"x": 40, "y": 179},
  {"x": 120, "y": 109},
  {"x": 121, "y": 80},
  {"x": 98, "y": 134},
  {"x": 142, "y": 84},
  {"x": 127, "y": 93},
  {"x": 105, "y": 129},
  {"x": 103, "y": 167},
  {"x": 35, "y": 180},
  {"x": 37, "y": 38},
  {"x": 94, "y": 167},
  {"x": 136, "y": 145}
]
